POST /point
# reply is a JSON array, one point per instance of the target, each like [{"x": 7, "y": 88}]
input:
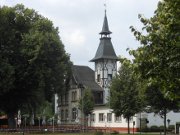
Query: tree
[
  {"x": 124, "y": 95},
  {"x": 86, "y": 103},
  {"x": 158, "y": 103},
  {"x": 157, "y": 60},
  {"x": 33, "y": 63},
  {"x": 158, "y": 57}
]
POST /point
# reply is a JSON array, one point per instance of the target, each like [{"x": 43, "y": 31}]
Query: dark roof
[
  {"x": 105, "y": 50},
  {"x": 84, "y": 75},
  {"x": 105, "y": 28}
]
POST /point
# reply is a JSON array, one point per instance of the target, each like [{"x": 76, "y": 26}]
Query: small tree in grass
[
  {"x": 86, "y": 103},
  {"x": 124, "y": 95}
]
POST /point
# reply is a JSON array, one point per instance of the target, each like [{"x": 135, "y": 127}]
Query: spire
[
  {"x": 105, "y": 49},
  {"x": 105, "y": 28}
]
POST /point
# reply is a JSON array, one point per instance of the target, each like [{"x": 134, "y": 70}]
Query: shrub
[
  {"x": 99, "y": 133},
  {"x": 161, "y": 128},
  {"x": 154, "y": 128},
  {"x": 114, "y": 133},
  {"x": 171, "y": 127},
  {"x": 144, "y": 129}
]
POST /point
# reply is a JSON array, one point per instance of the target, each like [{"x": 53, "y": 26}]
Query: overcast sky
[{"x": 80, "y": 22}]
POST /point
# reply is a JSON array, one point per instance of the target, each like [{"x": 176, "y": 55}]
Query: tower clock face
[{"x": 109, "y": 65}]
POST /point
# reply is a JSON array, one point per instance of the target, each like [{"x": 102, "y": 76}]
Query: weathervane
[{"x": 105, "y": 6}]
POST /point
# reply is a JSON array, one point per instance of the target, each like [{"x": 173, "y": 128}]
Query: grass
[
  {"x": 48, "y": 134},
  {"x": 67, "y": 134}
]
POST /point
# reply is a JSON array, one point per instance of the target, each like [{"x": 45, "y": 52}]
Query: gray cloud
[{"x": 80, "y": 21}]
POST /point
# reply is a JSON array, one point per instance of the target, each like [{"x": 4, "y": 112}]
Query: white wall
[
  {"x": 105, "y": 110},
  {"x": 153, "y": 119},
  {"x": 157, "y": 120}
]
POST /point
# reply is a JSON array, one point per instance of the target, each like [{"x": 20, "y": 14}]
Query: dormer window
[
  {"x": 109, "y": 77},
  {"x": 98, "y": 78}
]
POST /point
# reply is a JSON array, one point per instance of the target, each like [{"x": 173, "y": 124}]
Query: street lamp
[
  {"x": 53, "y": 123},
  {"x": 140, "y": 122},
  {"x": 39, "y": 118},
  {"x": 58, "y": 120},
  {"x": 168, "y": 120},
  {"x": 82, "y": 107},
  {"x": 133, "y": 126},
  {"x": 44, "y": 120},
  {"x": 32, "y": 119},
  {"x": 25, "y": 122},
  {"x": 19, "y": 119}
]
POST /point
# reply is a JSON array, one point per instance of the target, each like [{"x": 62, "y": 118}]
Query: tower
[{"x": 105, "y": 60}]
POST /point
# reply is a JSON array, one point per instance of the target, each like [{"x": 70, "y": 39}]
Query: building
[
  {"x": 82, "y": 77},
  {"x": 105, "y": 69},
  {"x": 98, "y": 81}
]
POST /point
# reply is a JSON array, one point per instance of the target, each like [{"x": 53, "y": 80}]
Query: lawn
[{"x": 68, "y": 134}]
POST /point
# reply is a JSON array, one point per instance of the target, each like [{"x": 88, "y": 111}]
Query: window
[
  {"x": 101, "y": 117},
  {"x": 74, "y": 113},
  {"x": 109, "y": 117},
  {"x": 98, "y": 78},
  {"x": 66, "y": 99},
  {"x": 74, "y": 95},
  {"x": 66, "y": 114},
  {"x": 61, "y": 100},
  {"x": 62, "y": 114},
  {"x": 118, "y": 119},
  {"x": 109, "y": 77},
  {"x": 98, "y": 97},
  {"x": 93, "y": 117}
]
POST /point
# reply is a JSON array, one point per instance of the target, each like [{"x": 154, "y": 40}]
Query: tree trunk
[
  {"x": 165, "y": 112},
  {"x": 11, "y": 121},
  {"x": 128, "y": 125}
]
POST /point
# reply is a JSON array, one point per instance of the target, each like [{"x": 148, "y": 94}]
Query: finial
[{"x": 105, "y": 7}]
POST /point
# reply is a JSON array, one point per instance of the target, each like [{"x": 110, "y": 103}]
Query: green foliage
[
  {"x": 154, "y": 128},
  {"x": 1, "y": 113},
  {"x": 46, "y": 109},
  {"x": 114, "y": 133},
  {"x": 98, "y": 133},
  {"x": 124, "y": 94},
  {"x": 159, "y": 104},
  {"x": 34, "y": 64},
  {"x": 157, "y": 59},
  {"x": 86, "y": 103},
  {"x": 171, "y": 127}
]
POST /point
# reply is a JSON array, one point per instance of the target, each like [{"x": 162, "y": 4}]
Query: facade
[
  {"x": 105, "y": 60},
  {"x": 98, "y": 81},
  {"x": 82, "y": 78}
]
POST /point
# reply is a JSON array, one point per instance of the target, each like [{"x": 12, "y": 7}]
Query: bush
[
  {"x": 114, "y": 133},
  {"x": 161, "y": 128},
  {"x": 171, "y": 127},
  {"x": 154, "y": 128},
  {"x": 144, "y": 129},
  {"x": 99, "y": 133}
]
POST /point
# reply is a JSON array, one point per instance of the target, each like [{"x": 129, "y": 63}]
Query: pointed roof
[
  {"x": 84, "y": 75},
  {"x": 105, "y": 49},
  {"x": 105, "y": 28}
]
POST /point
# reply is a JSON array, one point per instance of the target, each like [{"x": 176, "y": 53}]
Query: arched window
[
  {"x": 74, "y": 95},
  {"x": 74, "y": 113}
]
